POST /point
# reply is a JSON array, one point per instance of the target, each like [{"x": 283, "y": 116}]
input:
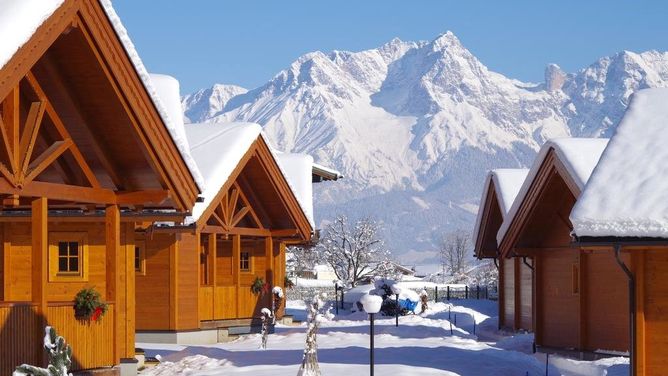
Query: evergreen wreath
[
  {"x": 259, "y": 286},
  {"x": 88, "y": 305}
]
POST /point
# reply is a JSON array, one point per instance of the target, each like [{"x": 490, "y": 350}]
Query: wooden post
[
  {"x": 112, "y": 225},
  {"x": 211, "y": 265},
  {"x": 236, "y": 256},
  {"x": 130, "y": 304},
  {"x": 517, "y": 316},
  {"x": 582, "y": 303},
  {"x": 40, "y": 244},
  {"x": 174, "y": 282},
  {"x": 269, "y": 258},
  {"x": 638, "y": 264}
]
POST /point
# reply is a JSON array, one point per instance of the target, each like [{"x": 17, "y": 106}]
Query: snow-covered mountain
[{"x": 414, "y": 126}]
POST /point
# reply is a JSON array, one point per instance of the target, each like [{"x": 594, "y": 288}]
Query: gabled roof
[
  {"x": 501, "y": 188},
  {"x": 20, "y": 20},
  {"x": 627, "y": 195},
  {"x": 219, "y": 149},
  {"x": 575, "y": 159}
]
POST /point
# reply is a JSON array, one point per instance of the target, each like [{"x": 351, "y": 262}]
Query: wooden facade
[
  {"x": 209, "y": 267},
  {"x": 84, "y": 156},
  {"x": 576, "y": 290},
  {"x": 515, "y": 277}
]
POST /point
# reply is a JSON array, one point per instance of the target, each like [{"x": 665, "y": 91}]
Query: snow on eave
[
  {"x": 326, "y": 173},
  {"x": 627, "y": 195},
  {"x": 507, "y": 183},
  {"x": 302, "y": 205},
  {"x": 170, "y": 124},
  {"x": 579, "y": 157},
  {"x": 19, "y": 20}
]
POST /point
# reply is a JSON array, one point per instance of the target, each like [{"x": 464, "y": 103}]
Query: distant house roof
[
  {"x": 20, "y": 19},
  {"x": 322, "y": 173},
  {"x": 579, "y": 156},
  {"x": 501, "y": 186},
  {"x": 627, "y": 195}
]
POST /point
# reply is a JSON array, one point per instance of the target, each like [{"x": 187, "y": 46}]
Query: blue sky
[{"x": 246, "y": 42}]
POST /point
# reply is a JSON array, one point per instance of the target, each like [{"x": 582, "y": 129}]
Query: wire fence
[{"x": 437, "y": 293}]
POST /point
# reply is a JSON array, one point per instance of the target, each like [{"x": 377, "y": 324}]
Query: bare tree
[
  {"x": 453, "y": 251},
  {"x": 354, "y": 251},
  {"x": 302, "y": 259}
]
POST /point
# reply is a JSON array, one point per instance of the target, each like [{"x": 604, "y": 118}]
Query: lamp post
[
  {"x": 371, "y": 304},
  {"x": 338, "y": 285}
]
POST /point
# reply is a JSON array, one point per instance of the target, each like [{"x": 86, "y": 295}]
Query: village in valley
[{"x": 148, "y": 231}]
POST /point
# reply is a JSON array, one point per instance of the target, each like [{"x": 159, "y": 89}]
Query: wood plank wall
[{"x": 91, "y": 342}]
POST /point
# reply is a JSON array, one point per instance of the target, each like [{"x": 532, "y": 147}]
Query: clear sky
[{"x": 246, "y": 42}]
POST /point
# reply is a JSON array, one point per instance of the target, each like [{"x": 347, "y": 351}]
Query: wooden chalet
[
  {"x": 622, "y": 214},
  {"x": 576, "y": 291},
  {"x": 515, "y": 276},
  {"x": 195, "y": 280},
  {"x": 85, "y": 155}
]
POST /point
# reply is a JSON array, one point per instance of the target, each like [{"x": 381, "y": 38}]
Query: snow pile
[
  {"x": 628, "y": 192},
  {"x": 190, "y": 365},
  {"x": 278, "y": 291},
  {"x": 579, "y": 156}
]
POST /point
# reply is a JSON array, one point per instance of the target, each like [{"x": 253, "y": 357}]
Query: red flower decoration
[{"x": 97, "y": 313}]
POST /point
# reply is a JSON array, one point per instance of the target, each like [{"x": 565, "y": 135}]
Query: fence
[{"x": 438, "y": 293}]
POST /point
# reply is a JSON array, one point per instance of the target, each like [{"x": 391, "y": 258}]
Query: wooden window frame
[
  {"x": 250, "y": 262},
  {"x": 141, "y": 245},
  {"x": 57, "y": 237}
]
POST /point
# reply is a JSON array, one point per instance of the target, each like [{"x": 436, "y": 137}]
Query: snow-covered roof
[
  {"x": 297, "y": 170},
  {"x": 578, "y": 155},
  {"x": 507, "y": 183},
  {"x": 627, "y": 195},
  {"x": 217, "y": 149},
  {"x": 19, "y": 19},
  {"x": 326, "y": 173}
]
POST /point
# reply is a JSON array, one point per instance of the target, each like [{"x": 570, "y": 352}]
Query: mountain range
[{"x": 414, "y": 126}]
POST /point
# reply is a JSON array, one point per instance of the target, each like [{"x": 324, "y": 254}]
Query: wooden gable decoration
[
  {"x": 257, "y": 200},
  {"x": 77, "y": 125}
]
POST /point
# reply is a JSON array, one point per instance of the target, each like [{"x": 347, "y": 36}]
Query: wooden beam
[
  {"x": 130, "y": 291},
  {"x": 62, "y": 131},
  {"x": 45, "y": 159},
  {"x": 73, "y": 107},
  {"x": 208, "y": 229},
  {"x": 211, "y": 258},
  {"x": 286, "y": 233},
  {"x": 7, "y": 143},
  {"x": 232, "y": 207},
  {"x": 11, "y": 113},
  {"x": 249, "y": 231},
  {"x": 236, "y": 257},
  {"x": 252, "y": 211},
  {"x": 112, "y": 227},
  {"x": 269, "y": 260},
  {"x": 30, "y": 131},
  {"x": 174, "y": 284},
  {"x": 39, "y": 261},
  {"x": 239, "y": 216},
  {"x": 146, "y": 197}
]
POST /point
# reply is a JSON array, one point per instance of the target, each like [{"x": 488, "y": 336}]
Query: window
[
  {"x": 68, "y": 256},
  {"x": 244, "y": 262},
  {"x": 140, "y": 258}
]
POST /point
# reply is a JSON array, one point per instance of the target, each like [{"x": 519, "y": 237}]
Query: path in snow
[{"x": 421, "y": 345}]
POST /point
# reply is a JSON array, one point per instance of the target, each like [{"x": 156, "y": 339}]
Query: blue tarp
[{"x": 407, "y": 304}]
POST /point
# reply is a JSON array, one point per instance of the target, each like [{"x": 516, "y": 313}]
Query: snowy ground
[{"x": 421, "y": 345}]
